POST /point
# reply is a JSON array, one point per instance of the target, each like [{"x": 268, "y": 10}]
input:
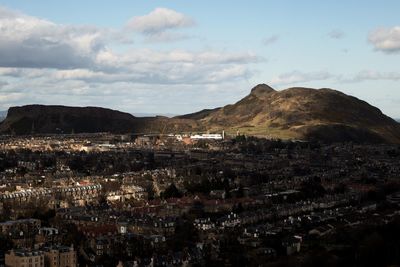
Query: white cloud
[
  {"x": 3, "y": 83},
  {"x": 176, "y": 66},
  {"x": 11, "y": 72},
  {"x": 336, "y": 34},
  {"x": 296, "y": 77},
  {"x": 173, "y": 67},
  {"x": 270, "y": 39},
  {"x": 10, "y": 97},
  {"x": 300, "y": 77},
  {"x": 48, "y": 63},
  {"x": 159, "y": 20},
  {"x": 122, "y": 95},
  {"x": 30, "y": 42},
  {"x": 165, "y": 37},
  {"x": 376, "y": 75},
  {"x": 231, "y": 73},
  {"x": 31, "y": 47},
  {"x": 386, "y": 39}
]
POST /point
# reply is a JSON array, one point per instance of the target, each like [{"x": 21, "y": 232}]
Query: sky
[{"x": 177, "y": 57}]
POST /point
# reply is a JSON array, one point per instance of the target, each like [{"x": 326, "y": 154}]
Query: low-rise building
[
  {"x": 24, "y": 258},
  {"x": 60, "y": 256}
]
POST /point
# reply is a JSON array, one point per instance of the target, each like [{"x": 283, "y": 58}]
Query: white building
[{"x": 207, "y": 136}]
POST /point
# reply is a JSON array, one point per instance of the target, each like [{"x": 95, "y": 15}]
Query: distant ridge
[
  {"x": 295, "y": 113},
  {"x": 63, "y": 119},
  {"x": 139, "y": 114}
]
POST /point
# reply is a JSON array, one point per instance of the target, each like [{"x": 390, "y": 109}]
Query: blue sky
[{"x": 175, "y": 57}]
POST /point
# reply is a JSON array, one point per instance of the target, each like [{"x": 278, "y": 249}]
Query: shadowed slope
[{"x": 294, "y": 113}]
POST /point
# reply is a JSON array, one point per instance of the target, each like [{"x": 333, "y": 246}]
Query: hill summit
[
  {"x": 262, "y": 89},
  {"x": 303, "y": 113},
  {"x": 294, "y": 113}
]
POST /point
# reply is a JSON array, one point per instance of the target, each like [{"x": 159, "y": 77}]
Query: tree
[
  {"x": 5, "y": 243},
  {"x": 150, "y": 191},
  {"x": 185, "y": 235},
  {"x": 171, "y": 191},
  {"x": 240, "y": 192},
  {"x": 312, "y": 188},
  {"x": 372, "y": 250},
  {"x": 45, "y": 215}
]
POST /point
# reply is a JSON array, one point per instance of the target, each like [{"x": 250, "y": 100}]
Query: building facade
[
  {"x": 60, "y": 256},
  {"x": 24, "y": 258}
]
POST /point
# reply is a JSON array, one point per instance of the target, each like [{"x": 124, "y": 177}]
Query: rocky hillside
[
  {"x": 303, "y": 113},
  {"x": 61, "y": 119},
  {"x": 294, "y": 113}
]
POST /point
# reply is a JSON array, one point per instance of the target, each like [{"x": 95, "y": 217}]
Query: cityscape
[
  {"x": 122, "y": 200},
  {"x": 172, "y": 133}
]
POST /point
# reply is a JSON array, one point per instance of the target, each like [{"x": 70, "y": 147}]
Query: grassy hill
[{"x": 295, "y": 113}]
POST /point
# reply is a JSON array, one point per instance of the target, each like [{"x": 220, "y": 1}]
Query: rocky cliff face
[{"x": 62, "y": 119}]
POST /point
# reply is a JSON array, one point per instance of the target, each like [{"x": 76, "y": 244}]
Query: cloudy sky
[{"x": 175, "y": 56}]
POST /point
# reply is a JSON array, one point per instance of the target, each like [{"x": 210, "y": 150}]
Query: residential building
[
  {"x": 60, "y": 256},
  {"x": 24, "y": 258}
]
